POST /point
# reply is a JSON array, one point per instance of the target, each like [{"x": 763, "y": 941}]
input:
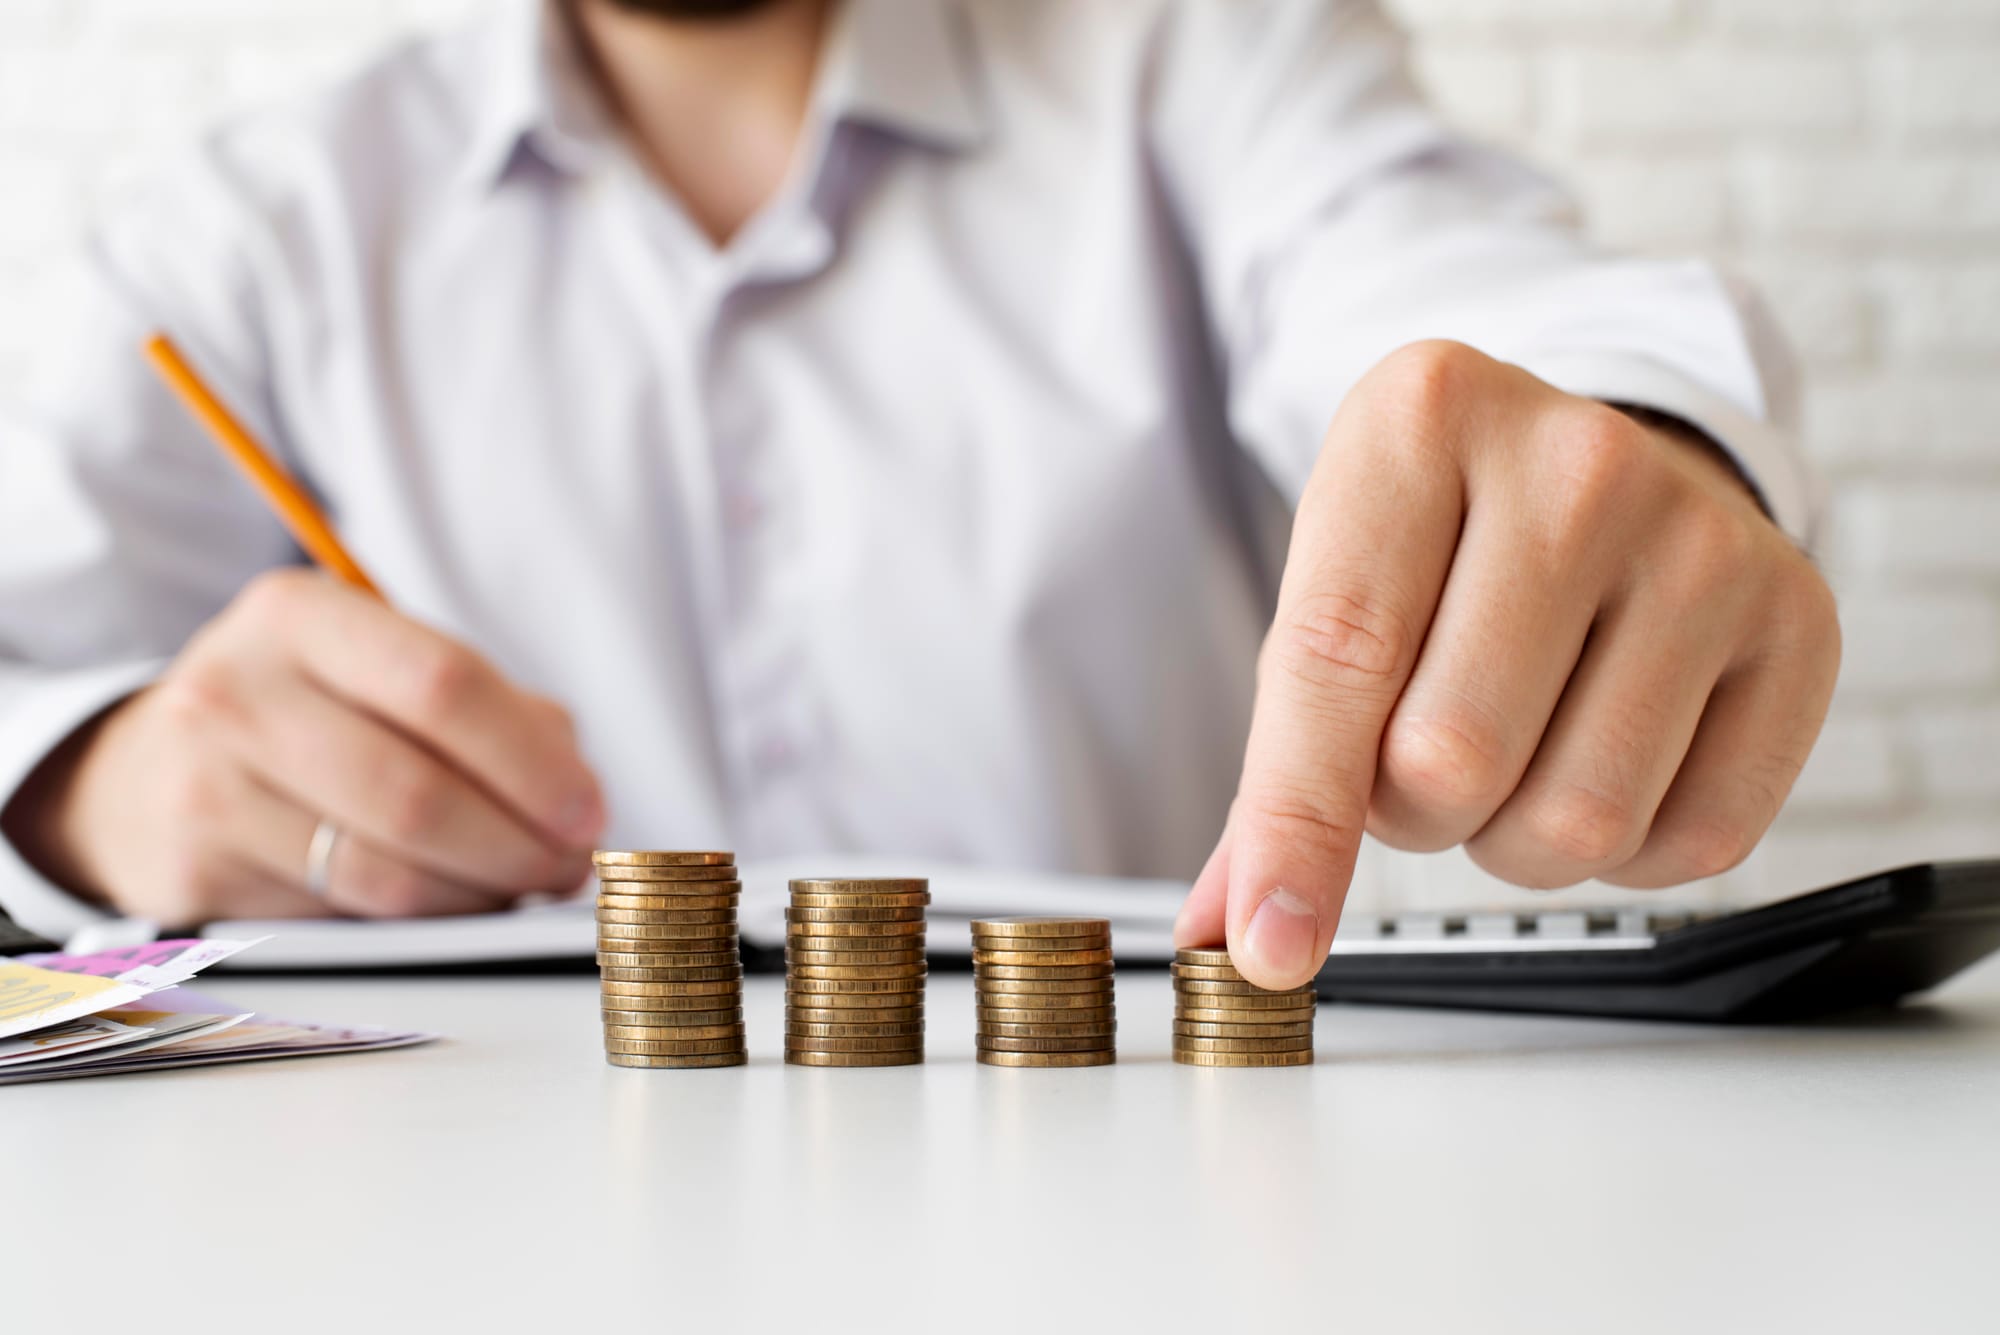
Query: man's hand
[
  {"x": 454, "y": 792},
  {"x": 1523, "y": 622}
]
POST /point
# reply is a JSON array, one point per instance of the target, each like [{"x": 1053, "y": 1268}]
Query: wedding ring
[{"x": 319, "y": 857}]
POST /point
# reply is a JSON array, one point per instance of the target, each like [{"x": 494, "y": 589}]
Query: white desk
[{"x": 1435, "y": 1171}]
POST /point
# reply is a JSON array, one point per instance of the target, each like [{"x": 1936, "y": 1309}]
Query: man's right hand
[{"x": 453, "y": 790}]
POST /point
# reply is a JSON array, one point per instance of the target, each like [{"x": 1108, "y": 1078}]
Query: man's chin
[{"x": 692, "y": 9}]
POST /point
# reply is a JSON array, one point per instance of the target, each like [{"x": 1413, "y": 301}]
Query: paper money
[{"x": 64, "y": 1016}]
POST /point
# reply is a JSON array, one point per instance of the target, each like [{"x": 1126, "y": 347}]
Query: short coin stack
[
  {"x": 854, "y": 972},
  {"x": 1220, "y": 1020},
  {"x": 667, "y": 953},
  {"x": 1044, "y": 991}
]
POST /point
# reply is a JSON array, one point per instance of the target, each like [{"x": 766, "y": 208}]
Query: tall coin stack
[
  {"x": 1044, "y": 991},
  {"x": 668, "y": 955},
  {"x": 854, "y": 972},
  {"x": 1221, "y": 1020}
]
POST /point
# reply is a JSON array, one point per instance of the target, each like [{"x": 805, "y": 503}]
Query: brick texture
[{"x": 1845, "y": 153}]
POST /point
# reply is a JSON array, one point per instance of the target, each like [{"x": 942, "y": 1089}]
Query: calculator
[{"x": 1867, "y": 942}]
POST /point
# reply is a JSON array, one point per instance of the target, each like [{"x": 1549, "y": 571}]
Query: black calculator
[{"x": 1868, "y": 942}]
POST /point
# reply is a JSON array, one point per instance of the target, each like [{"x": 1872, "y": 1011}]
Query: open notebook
[{"x": 1141, "y": 913}]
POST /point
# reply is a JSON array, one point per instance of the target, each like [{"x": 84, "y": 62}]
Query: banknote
[
  {"x": 38, "y": 991},
  {"x": 120, "y": 1011}
]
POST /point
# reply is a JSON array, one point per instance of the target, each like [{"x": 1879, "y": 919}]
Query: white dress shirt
[{"x": 939, "y": 513}]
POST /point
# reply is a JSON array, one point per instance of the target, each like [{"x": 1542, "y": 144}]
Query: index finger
[
  {"x": 1371, "y": 545},
  {"x": 515, "y": 745}
]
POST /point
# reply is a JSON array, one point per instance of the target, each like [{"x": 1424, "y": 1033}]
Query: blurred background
[{"x": 1844, "y": 153}]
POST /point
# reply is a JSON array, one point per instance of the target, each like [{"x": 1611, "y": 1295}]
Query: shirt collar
[
  {"x": 911, "y": 69},
  {"x": 531, "y": 89}
]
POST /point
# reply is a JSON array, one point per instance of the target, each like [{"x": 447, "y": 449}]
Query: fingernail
[{"x": 1283, "y": 935}]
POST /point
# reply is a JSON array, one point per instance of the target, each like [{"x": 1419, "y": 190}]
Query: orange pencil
[{"x": 294, "y": 508}]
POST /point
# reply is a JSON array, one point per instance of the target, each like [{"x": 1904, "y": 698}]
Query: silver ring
[{"x": 319, "y": 857}]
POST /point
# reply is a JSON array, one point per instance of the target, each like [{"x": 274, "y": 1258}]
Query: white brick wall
[{"x": 1844, "y": 152}]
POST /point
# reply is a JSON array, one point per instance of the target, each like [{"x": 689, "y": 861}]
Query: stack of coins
[
  {"x": 854, "y": 972},
  {"x": 1220, "y": 1020},
  {"x": 1043, "y": 987},
  {"x": 668, "y": 955}
]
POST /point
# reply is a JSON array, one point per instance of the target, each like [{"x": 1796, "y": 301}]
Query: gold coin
[
  {"x": 677, "y": 1063},
  {"x": 1213, "y": 957},
  {"x": 891, "y": 1043},
  {"x": 671, "y": 1047},
  {"x": 875, "y": 885},
  {"x": 674, "y": 960},
  {"x": 669, "y": 931},
  {"x": 1047, "y": 1029},
  {"x": 617, "y": 883},
  {"x": 852, "y": 959},
  {"x": 670, "y": 948},
  {"x": 914, "y": 1057},
  {"x": 608, "y": 857},
  {"x": 666, "y": 903},
  {"x": 667, "y": 876},
  {"x": 658, "y": 917},
  {"x": 798, "y": 930},
  {"x": 1039, "y": 924},
  {"x": 848, "y": 1015},
  {"x": 1188, "y": 1058},
  {"x": 1207, "y": 973},
  {"x": 1205, "y": 987},
  {"x": 705, "y": 974},
  {"x": 862, "y": 972},
  {"x": 902, "y": 1028},
  {"x": 1254, "y": 1019},
  {"x": 981, "y": 946},
  {"x": 1096, "y": 1043},
  {"x": 1040, "y": 958},
  {"x": 650, "y": 955},
  {"x": 1041, "y": 973},
  {"x": 1090, "y": 991},
  {"x": 677, "y": 988},
  {"x": 727, "y": 1029},
  {"x": 1085, "y": 992},
  {"x": 855, "y": 946},
  {"x": 671, "y": 966},
  {"x": 674, "y": 972},
  {"x": 732, "y": 1015},
  {"x": 1204, "y": 1029},
  {"x": 860, "y": 900},
  {"x": 1105, "y": 1057},
  {"x": 1242, "y": 1044},
  {"x": 1248, "y": 1001},
  {"x": 1018, "y": 1015},
  {"x": 793, "y": 913},
  {"x": 853, "y": 1001},
  {"x": 903, "y": 983},
  {"x": 658, "y": 1000},
  {"x": 667, "y": 945}
]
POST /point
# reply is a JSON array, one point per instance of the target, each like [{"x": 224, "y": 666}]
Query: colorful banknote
[{"x": 118, "y": 1011}]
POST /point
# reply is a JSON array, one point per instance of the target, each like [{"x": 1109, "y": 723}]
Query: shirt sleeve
[
  {"x": 1334, "y": 219},
  {"x": 122, "y": 529}
]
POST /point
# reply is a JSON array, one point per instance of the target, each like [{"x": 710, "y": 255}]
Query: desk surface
[{"x": 1435, "y": 1171}]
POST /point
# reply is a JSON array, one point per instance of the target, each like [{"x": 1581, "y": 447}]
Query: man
[{"x": 877, "y": 426}]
